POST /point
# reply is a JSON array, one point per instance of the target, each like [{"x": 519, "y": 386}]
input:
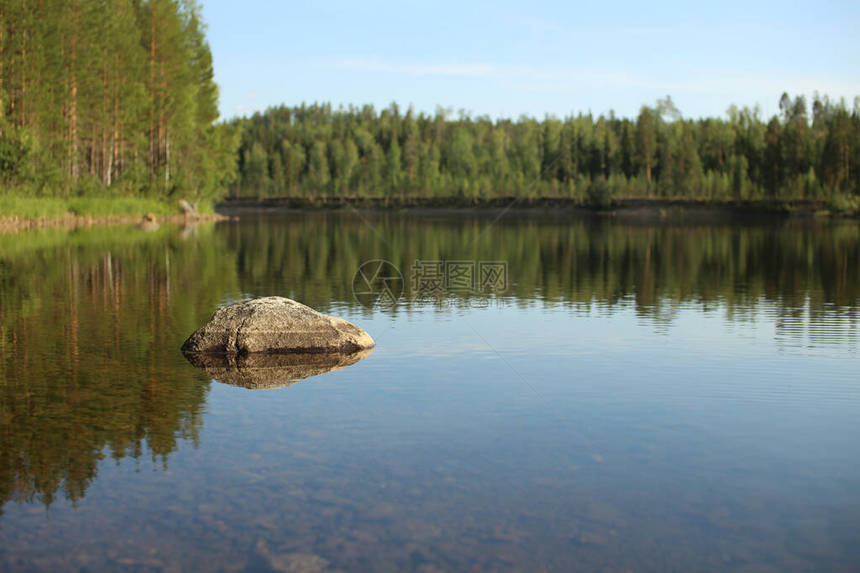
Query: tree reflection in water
[{"x": 91, "y": 321}]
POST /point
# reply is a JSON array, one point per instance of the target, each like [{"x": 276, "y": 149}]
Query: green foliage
[
  {"x": 34, "y": 207},
  {"x": 31, "y": 207},
  {"x": 600, "y": 194},
  {"x": 313, "y": 150},
  {"x": 844, "y": 204},
  {"x": 17, "y": 149},
  {"x": 106, "y": 96}
]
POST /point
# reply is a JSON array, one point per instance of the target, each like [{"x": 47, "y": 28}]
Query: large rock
[
  {"x": 275, "y": 325},
  {"x": 264, "y": 371},
  {"x": 149, "y": 223}
]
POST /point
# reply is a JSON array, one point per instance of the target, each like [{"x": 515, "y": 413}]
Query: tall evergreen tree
[{"x": 97, "y": 93}]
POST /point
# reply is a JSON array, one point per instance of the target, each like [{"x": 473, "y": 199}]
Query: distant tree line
[
  {"x": 810, "y": 152},
  {"x": 99, "y": 94}
]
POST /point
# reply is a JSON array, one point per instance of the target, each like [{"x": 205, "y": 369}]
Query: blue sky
[{"x": 540, "y": 57}]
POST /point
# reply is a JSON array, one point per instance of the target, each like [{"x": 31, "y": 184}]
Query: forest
[
  {"x": 110, "y": 97},
  {"x": 116, "y": 98},
  {"x": 807, "y": 152}
]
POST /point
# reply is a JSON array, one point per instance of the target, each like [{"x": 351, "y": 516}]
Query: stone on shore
[
  {"x": 149, "y": 223},
  {"x": 188, "y": 209},
  {"x": 275, "y": 325}
]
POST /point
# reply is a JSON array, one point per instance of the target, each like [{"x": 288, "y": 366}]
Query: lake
[{"x": 548, "y": 392}]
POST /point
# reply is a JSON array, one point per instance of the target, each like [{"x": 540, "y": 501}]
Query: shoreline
[
  {"x": 70, "y": 221},
  {"x": 632, "y": 209},
  {"x": 657, "y": 208}
]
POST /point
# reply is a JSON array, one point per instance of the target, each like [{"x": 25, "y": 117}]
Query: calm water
[{"x": 639, "y": 397}]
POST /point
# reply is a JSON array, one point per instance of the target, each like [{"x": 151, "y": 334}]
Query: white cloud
[
  {"x": 244, "y": 109},
  {"x": 480, "y": 70},
  {"x": 712, "y": 83}
]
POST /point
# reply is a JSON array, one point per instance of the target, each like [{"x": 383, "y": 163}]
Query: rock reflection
[{"x": 268, "y": 371}]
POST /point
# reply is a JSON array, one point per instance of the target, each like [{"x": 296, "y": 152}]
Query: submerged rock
[
  {"x": 263, "y": 371},
  {"x": 275, "y": 325}
]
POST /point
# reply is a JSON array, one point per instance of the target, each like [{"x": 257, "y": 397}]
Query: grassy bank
[
  {"x": 20, "y": 212},
  {"x": 29, "y": 207}
]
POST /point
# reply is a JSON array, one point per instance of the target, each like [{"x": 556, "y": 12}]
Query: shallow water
[{"x": 636, "y": 396}]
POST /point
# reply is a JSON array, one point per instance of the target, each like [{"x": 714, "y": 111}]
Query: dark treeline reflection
[
  {"x": 91, "y": 321},
  {"x": 585, "y": 260},
  {"x": 89, "y": 328}
]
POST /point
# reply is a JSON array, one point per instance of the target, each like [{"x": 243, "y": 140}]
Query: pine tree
[{"x": 646, "y": 139}]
